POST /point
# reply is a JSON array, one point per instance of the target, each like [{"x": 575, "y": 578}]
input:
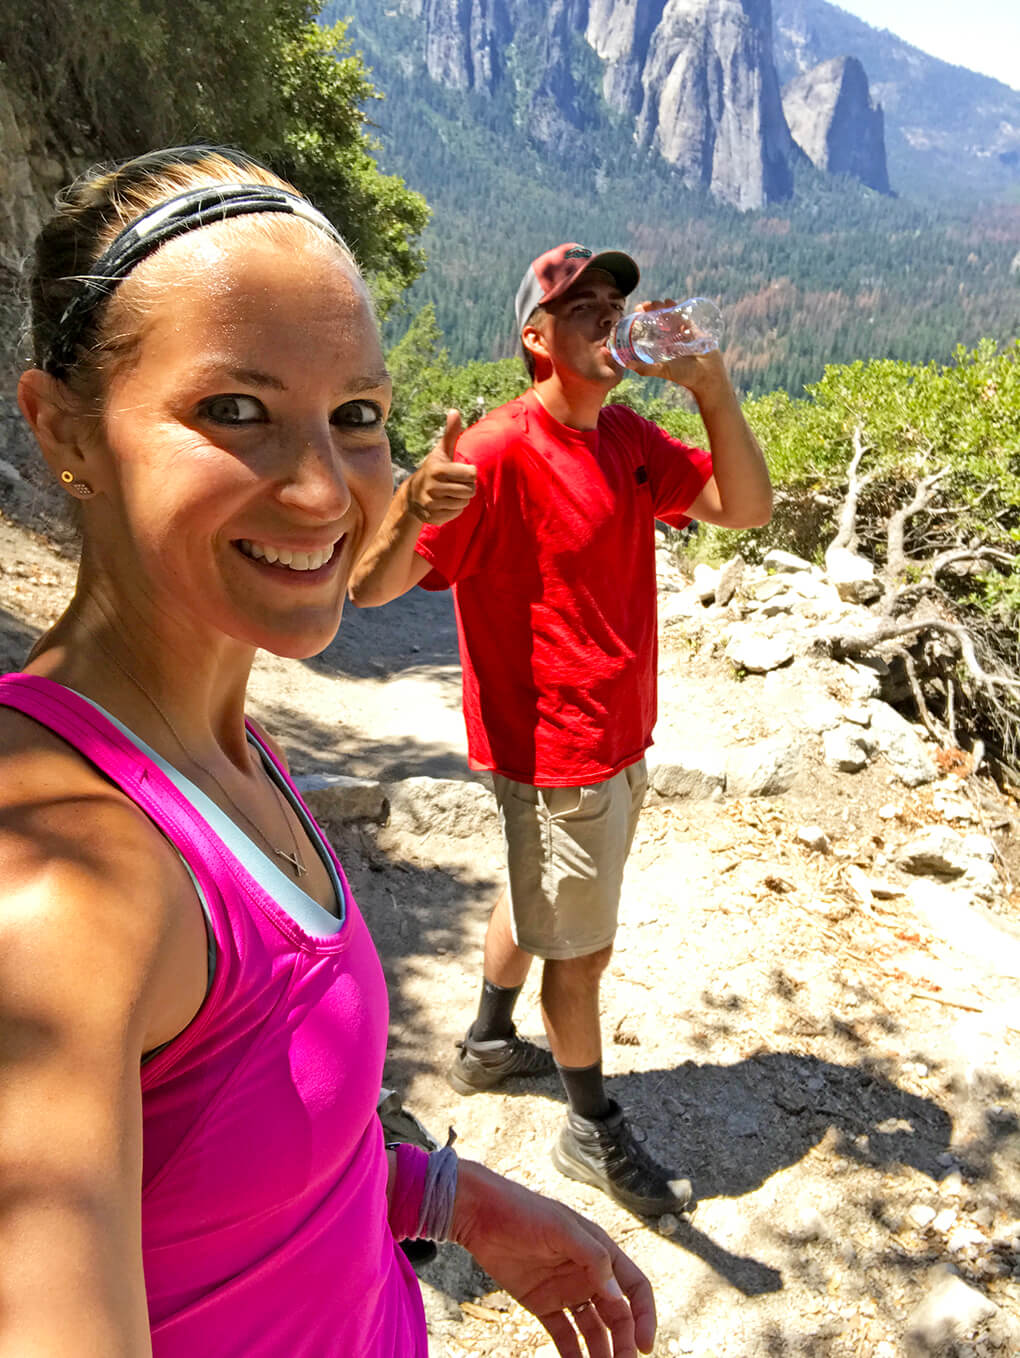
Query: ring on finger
[{"x": 585, "y": 1305}]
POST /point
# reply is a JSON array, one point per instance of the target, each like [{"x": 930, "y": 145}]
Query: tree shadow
[{"x": 417, "y": 631}]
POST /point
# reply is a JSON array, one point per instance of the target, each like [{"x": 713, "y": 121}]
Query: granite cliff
[
  {"x": 832, "y": 118},
  {"x": 695, "y": 78}
]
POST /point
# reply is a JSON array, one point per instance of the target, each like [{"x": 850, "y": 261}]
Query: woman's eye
[
  {"x": 234, "y": 410},
  {"x": 358, "y": 415}
]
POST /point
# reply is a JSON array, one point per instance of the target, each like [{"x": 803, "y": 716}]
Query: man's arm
[
  {"x": 739, "y": 492},
  {"x": 438, "y": 491}
]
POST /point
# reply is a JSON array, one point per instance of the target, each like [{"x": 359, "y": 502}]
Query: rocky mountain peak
[
  {"x": 832, "y": 118},
  {"x": 700, "y": 80}
]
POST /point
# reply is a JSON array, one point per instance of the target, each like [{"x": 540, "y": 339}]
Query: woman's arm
[{"x": 94, "y": 969}]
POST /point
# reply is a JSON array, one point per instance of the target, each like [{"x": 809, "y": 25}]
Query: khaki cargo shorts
[{"x": 566, "y": 848}]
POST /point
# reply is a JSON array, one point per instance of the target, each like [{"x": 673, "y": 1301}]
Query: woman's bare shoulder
[{"x": 86, "y": 879}]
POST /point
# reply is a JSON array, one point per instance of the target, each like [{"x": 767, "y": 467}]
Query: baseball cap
[{"x": 551, "y": 274}]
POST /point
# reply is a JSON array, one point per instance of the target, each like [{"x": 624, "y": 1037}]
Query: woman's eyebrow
[{"x": 254, "y": 377}]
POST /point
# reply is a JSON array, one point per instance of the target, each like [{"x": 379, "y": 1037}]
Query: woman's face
[{"x": 245, "y": 460}]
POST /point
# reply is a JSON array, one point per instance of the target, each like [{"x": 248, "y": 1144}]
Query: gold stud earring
[{"x": 80, "y": 488}]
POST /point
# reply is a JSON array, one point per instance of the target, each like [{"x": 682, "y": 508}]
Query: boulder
[
  {"x": 853, "y": 576},
  {"x": 757, "y": 654},
  {"x": 445, "y": 806},
  {"x": 334, "y": 796},
  {"x": 706, "y": 581},
  {"x": 730, "y": 575},
  {"x": 902, "y": 745},
  {"x": 697, "y": 773},
  {"x": 847, "y": 748},
  {"x": 937, "y": 851},
  {"x": 764, "y": 769},
  {"x": 786, "y": 562},
  {"x": 950, "y": 1311}
]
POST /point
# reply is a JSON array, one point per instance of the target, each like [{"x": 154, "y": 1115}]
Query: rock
[
  {"x": 833, "y": 120},
  {"x": 883, "y": 890},
  {"x": 334, "y": 796},
  {"x": 889, "y": 811},
  {"x": 706, "y": 581},
  {"x": 812, "y": 837},
  {"x": 858, "y": 884},
  {"x": 776, "y": 607},
  {"x": 765, "y": 768},
  {"x": 786, "y": 562},
  {"x": 847, "y": 749},
  {"x": 945, "y": 1220},
  {"x": 921, "y": 1215},
  {"x": 852, "y": 576},
  {"x": 937, "y": 851},
  {"x": 950, "y": 1311},
  {"x": 900, "y": 743},
  {"x": 859, "y": 714},
  {"x": 963, "y": 1239},
  {"x": 952, "y": 1185},
  {"x": 808, "y": 1225},
  {"x": 668, "y": 1224},
  {"x": 681, "y": 606},
  {"x": 864, "y": 680},
  {"x": 758, "y": 654},
  {"x": 819, "y": 713},
  {"x": 695, "y": 773},
  {"x": 981, "y": 847},
  {"x": 445, "y": 806},
  {"x": 730, "y": 576},
  {"x": 700, "y": 83},
  {"x": 767, "y": 588}
]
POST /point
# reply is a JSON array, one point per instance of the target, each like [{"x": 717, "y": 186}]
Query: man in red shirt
[{"x": 541, "y": 517}]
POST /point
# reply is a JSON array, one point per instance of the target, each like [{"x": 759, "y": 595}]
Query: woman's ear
[{"x": 59, "y": 424}]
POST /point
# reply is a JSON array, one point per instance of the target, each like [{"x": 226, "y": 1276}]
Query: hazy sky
[{"x": 983, "y": 35}]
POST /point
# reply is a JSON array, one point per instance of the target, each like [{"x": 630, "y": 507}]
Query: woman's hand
[{"x": 557, "y": 1264}]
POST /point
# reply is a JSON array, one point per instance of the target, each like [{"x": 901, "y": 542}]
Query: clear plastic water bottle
[{"x": 691, "y": 327}]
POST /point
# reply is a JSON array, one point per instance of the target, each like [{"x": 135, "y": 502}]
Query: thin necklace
[{"x": 294, "y": 859}]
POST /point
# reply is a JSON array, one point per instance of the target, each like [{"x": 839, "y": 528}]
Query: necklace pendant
[{"x": 293, "y": 860}]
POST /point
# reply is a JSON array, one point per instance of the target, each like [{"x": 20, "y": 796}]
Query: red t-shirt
[{"x": 553, "y": 570}]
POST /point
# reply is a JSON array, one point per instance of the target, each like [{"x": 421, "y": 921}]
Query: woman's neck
[{"x": 178, "y": 692}]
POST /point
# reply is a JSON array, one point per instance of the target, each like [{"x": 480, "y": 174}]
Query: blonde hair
[{"x": 90, "y": 214}]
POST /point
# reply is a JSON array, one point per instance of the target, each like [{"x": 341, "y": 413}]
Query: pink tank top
[{"x": 264, "y": 1221}]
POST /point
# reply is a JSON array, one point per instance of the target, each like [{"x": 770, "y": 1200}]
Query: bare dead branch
[
  {"x": 846, "y": 533},
  {"x": 969, "y": 554},
  {"x": 856, "y": 643},
  {"x": 935, "y": 729},
  {"x": 896, "y": 560}
]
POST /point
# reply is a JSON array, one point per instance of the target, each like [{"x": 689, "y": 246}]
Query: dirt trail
[{"x": 825, "y": 1072}]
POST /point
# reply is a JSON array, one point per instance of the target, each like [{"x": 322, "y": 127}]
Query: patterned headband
[{"x": 174, "y": 217}]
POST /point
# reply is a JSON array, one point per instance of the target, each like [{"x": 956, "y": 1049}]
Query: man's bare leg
[
  {"x": 570, "y": 1012},
  {"x": 570, "y": 1007},
  {"x": 506, "y": 965},
  {"x": 492, "y": 1051}
]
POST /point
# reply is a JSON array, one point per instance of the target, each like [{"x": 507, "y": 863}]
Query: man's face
[{"x": 576, "y": 327}]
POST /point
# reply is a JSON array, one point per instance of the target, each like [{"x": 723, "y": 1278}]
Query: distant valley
[{"x": 816, "y": 176}]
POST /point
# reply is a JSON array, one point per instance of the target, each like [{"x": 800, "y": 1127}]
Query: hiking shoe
[
  {"x": 483, "y": 1065},
  {"x": 604, "y": 1152}
]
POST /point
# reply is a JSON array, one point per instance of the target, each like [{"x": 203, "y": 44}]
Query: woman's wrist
[{"x": 474, "y": 1189}]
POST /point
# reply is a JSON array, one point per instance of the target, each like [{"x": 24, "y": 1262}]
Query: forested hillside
[{"x": 838, "y": 274}]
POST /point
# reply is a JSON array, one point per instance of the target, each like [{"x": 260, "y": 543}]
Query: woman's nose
[{"x": 315, "y": 480}]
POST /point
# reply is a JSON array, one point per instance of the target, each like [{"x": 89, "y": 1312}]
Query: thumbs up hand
[{"x": 440, "y": 489}]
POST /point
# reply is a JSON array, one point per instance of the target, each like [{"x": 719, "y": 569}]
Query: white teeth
[{"x": 295, "y": 561}]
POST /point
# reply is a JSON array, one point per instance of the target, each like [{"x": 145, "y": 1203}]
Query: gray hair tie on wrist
[{"x": 435, "y": 1217}]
